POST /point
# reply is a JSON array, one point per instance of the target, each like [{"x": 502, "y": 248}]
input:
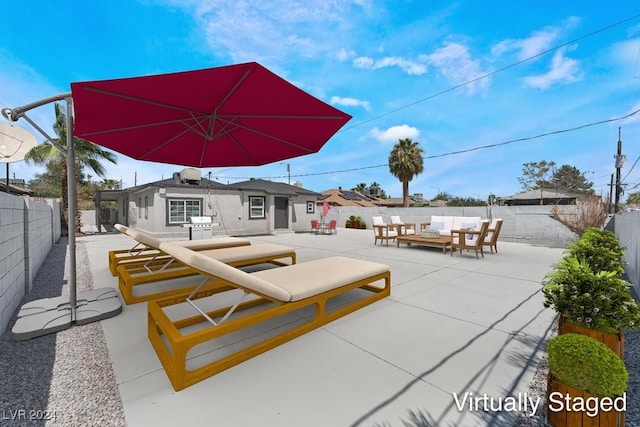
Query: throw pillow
[
  {"x": 436, "y": 226},
  {"x": 471, "y": 225}
]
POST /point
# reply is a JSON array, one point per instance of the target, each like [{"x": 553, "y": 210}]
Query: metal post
[{"x": 71, "y": 223}]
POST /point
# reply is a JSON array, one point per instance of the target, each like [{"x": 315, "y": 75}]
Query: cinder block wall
[
  {"x": 522, "y": 224},
  {"x": 627, "y": 229},
  {"x": 28, "y": 230}
]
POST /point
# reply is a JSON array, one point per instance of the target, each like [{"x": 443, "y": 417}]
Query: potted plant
[
  {"x": 359, "y": 223},
  {"x": 596, "y": 304},
  {"x": 601, "y": 249},
  {"x": 350, "y": 223},
  {"x": 586, "y": 383}
]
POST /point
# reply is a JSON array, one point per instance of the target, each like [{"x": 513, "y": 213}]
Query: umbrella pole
[
  {"x": 50, "y": 315},
  {"x": 71, "y": 222}
]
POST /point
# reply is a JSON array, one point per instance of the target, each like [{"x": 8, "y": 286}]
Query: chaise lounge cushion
[
  {"x": 311, "y": 278},
  {"x": 213, "y": 243},
  {"x": 218, "y": 269},
  {"x": 291, "y": 283}
]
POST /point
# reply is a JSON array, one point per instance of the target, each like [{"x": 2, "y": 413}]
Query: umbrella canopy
[{"x": 237, "y": 115}]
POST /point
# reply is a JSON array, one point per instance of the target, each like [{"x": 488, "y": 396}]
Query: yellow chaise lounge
[
  {"x": 131, "y": 274},
  {"x": 265, "y": 295},
  {"x": 144, "y": 252}
]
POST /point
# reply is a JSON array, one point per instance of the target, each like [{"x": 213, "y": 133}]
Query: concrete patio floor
[{"x": 452, "y": 325}]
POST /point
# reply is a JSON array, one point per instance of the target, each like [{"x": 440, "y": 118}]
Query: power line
[{"x": 468, "y": 150}]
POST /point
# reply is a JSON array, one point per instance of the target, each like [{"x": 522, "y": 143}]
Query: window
[
  {"x": 146, "y": 207},
  {"x": 311, "y": 207},
  {"x": 257, "y": 207},
  {"x": 180, "y": 210}
]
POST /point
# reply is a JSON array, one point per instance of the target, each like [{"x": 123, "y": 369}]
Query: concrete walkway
[{"x": 452, "y": 326}]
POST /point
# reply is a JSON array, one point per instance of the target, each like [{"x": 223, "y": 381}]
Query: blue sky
[{"x": 454, "y": 76}]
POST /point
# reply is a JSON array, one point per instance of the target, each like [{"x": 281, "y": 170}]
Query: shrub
[
  {"x": 586, "y": 364},
  {"x": 599, "y": 300},
  {"x": 601, "y": 249}
]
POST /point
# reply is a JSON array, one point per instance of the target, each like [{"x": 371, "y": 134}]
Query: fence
[{"x": 28, "y": 231}]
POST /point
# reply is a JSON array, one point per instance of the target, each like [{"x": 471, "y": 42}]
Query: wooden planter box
[
  {"x": 614, "y": 341},
  {"x": 564, "y": 418}
]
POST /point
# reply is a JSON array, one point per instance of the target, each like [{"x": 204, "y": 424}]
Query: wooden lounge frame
[
  {"x": 147, "y": 247},
  {"x": 275, "y": 292},
  {"x": 131, "y": 275}
]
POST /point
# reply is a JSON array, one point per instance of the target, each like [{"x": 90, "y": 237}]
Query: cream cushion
[
  {"x": 289, "y": 283},
  {"x": 216, "y": 242}
]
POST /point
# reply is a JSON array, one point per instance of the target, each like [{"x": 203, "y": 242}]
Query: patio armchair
[
  {"x": 331, "y": 228},
  {"x": 315, "y": 226},
  {"x": 470, "y": 238},
  {"x": 404, "y": 228},
  {"x": 491, "y": 239},
  {"x": 383, "y": 231}
]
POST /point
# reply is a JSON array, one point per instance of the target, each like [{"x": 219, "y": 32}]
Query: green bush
[
  {"x": 600, "y": 249},
  {"x": 599, "y": 300},
  {"x": 586, "y": 364}
]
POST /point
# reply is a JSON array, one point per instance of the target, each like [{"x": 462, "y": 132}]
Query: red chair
[
  {"x": 315, "y": 227},
  {"x": 331, "y": 229}
]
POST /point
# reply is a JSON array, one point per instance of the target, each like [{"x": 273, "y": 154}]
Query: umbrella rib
[
  {"x": 138, "y": 99},
  {"x": 275, "y": 138},
  {"x": 233, "y": 90},
  {"x": 156, "y": 148}
]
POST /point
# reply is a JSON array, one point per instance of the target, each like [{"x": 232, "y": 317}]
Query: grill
[{"x": 200, "y": 227}]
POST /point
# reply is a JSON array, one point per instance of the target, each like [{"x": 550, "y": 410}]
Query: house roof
[
  {"x": 15, "y": 189},
  {"x": 340, "y": 197},
  {"x": 272, "y": 187},
  {"x": 535, "y": 194},
  {"x": 171, "y": 183}
]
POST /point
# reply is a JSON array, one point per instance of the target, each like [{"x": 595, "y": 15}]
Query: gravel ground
[
  {"x": 66, "y": 379},
  {"x": 63, "y": 379}
]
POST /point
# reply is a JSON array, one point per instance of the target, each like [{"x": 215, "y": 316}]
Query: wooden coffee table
[{"x": 442, "y": 241}]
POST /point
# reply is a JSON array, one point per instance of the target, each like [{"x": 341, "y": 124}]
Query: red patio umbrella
[{"x": 237, "y": 115}]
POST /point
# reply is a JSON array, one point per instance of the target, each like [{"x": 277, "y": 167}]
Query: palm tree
[
  {"x": 87, "y": 154},
  {"x": 405, "y": 162}
]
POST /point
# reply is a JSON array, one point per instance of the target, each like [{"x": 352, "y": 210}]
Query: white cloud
[
  {"x": 408, "y": 66},
  {"x": 394, "y": 133},
  {"x": 250, "y": 30},
  {"x": 538, "y": 42},
  {"x": 350, "y": 102},
  {"x": 525, "y": 48},
  {"x": 455, "y": 63},
  {"x": 563, "y": 70},
  {"x": 344, "y": 55}
]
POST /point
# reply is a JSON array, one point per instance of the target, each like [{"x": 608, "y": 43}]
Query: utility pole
[{"x": 620, "y": 159}]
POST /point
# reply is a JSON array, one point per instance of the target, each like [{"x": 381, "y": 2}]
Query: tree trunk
[{"x": 405, "y": 194}]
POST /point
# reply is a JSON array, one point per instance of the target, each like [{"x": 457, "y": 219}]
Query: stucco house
[{"x": 255, "y": 206}]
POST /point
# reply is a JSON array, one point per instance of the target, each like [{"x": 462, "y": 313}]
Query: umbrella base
[{"x": 51, "y": 315}]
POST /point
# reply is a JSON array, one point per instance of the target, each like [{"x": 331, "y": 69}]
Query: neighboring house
[
  {"x": 533, "y": 197},
  {"x": 340, "y": 197},
  {"x": 251, "y": 207},
  {"x": 18, "y": 190}
]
